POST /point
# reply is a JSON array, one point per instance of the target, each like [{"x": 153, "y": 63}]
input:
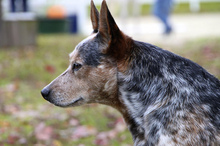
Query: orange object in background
[{"x": 56, "y": 12}]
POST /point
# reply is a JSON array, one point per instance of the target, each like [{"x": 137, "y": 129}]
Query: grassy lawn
[
  {"x": 27, "y": 119},
  {"x": 179, "y": 8},
  {"x": 205, "y": 7}
]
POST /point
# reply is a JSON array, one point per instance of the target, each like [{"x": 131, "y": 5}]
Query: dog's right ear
[
  {"x": 94, "y": 14},
  {"x": 113, "y": 40}
]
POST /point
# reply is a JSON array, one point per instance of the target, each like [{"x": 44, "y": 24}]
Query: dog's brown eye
[{"x": 76, "y": 66}]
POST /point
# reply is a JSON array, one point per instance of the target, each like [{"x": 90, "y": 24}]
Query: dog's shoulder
[
  {"x": 146, "y": 54},
  {"x": 167, "y": 90}
]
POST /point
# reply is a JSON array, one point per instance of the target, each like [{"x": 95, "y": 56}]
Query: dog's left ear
[
  {"x": 94, "y": 14},
  {"x": 113, "y": 39}
]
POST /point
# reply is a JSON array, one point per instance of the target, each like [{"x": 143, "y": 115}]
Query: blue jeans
[{"x": 162, "y": 9}]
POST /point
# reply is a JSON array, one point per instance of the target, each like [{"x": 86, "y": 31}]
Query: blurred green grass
[
  {"x": 180, "y": 8},
  {"x": 25, "y": 71}
]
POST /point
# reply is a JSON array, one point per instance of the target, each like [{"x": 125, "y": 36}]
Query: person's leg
[
  {"x": 12, "y": 5},
  {"x": 167, "y": 25},
  {"x": 25, "y": 6},
  {"x": 167, "y": 7},
  {"x": 162, "y": 11}
]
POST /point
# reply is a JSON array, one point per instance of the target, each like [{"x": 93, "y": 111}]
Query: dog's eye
[{"x": 76, "y": 66}]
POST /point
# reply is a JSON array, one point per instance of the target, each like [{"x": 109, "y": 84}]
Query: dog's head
[{"x": 92, "y": 74}]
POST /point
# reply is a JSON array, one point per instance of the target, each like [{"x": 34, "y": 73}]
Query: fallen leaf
[
  {"x": 74, "y": 122},
  {"x": 208, "y": 52},
  {"x": 22, "y": 141},
  {"x": 27, "y": 114},
  {"x": 120, "y": 125},
  {"x": 12, "y": 139},
  {"x": 103, "y": 138},
  {"x": 83, "y": 131},
  {"x": 12, "y": 87},
  {"x": 51, "y": 69},
  {"x": 43, "y": 132},
  {"x": 12, "y": 109},
  {"x": 4, "y": 124},
  {"x": 56, "y": 143}
]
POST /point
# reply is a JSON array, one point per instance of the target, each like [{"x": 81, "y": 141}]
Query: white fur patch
[
  {"x": 86, "y": 40},
  {"x": 165, "y": 140},
  {"x": 80, "y": 44}
]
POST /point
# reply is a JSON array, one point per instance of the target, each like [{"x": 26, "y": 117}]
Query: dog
[{"x": 165, "y": 99}]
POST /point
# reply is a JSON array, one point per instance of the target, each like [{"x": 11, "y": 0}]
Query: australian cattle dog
[{"x": 165, "y": 99}]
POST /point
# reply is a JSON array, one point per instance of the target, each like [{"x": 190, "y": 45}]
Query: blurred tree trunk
[
  {"x": 0, "y": 15},
  {"x": 0, "y": 21}
]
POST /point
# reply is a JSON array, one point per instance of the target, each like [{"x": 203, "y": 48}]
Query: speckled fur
[{"x": 165, "y": 99}]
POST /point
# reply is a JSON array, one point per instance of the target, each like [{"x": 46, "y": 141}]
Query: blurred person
[
  {"x": 19, "y": 5},
  {"x": 162, "y": 9}
]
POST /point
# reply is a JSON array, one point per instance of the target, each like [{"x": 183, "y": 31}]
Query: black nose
[{"x": 45, "y": 93}]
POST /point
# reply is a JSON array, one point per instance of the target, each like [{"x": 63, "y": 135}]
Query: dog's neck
[
  {"x": 132, "y": 111},
  {"x": 134, "y": 85},
  {"x": 129, "y": 103}
]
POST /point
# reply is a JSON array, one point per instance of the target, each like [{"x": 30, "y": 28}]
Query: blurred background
[{"x": 36, "y": 37}]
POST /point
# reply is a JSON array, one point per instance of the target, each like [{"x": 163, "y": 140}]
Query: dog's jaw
[{"x": 75, "y": 102}]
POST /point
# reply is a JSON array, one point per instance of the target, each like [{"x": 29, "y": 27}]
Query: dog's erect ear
[
  {"x": 107, "y": 25},
  {"x": 94, "y": 14},
  {"x": 112, "y": 37}
]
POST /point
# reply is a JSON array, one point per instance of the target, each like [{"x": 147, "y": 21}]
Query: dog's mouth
[{"x": 75, "y": 102}]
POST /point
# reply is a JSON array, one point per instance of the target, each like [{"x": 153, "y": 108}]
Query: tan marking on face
[
  {"x": 94, "y": 85},
  {"x": 87, "y": 85}
]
